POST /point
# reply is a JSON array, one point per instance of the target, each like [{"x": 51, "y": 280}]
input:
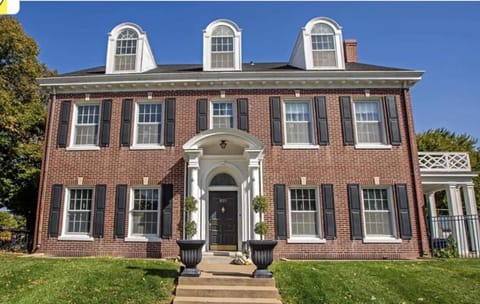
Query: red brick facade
[{"x": 335, "y": 163}]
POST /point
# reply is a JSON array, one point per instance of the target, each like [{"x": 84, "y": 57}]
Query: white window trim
[
  {"x": 304, "y": 238},
  {"x": 159, "y": 146},
  {"x": 237, "y": 46},
  {"x": 149, "y": 237},
  {"x": 66, "y": 236},
  {"x": 380, "y": 238},
  {"x": 234, "y": 112},
  {"x": 287, "y": 145},
  {"x": 75, "y": 147},
  {"x": 337, "y": 40},
  {"x": 366, "y": 146}
]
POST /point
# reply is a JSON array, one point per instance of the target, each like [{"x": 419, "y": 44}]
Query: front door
[{"x": 222, "y": 216}]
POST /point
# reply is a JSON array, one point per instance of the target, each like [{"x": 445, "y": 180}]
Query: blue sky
[{"x": 441, "y": 38}]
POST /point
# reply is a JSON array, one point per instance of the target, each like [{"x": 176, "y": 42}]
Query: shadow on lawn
[{"x": 164, "y": 273}]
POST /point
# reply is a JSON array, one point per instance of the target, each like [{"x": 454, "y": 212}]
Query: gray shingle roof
[{"x": 246, "y": 67}]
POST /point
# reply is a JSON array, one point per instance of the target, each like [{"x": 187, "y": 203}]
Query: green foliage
[
  {"x": 22, "y": 108},
  {"x": 9, "y": 220},
  {"x": 448, "y": 252},
  {"x": 190, "y": 204},
  {"x": 443, "y": 140},
  {"x": 260, "y": 205},
  {"x": 190, "y": 225},
  {"x": 261, "y": 228},
  {"x": 94, "y": 280},
  {"x": 455, "y": 281},
  {"x": 190, "y": 229}
]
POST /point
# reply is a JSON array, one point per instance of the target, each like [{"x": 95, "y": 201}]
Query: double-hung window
[
  {"x": 378, "y": 213},
  {"x": 323, "y": 46},
  {"x": 222, "y": 47},
  {"x": 369, "y": 122},
  {"x": 149, "y": 124},
  {"x": 298, "y": 123},
  {"x": 78, "y": 212},
  {"x": 126, "y": 50},
  {"x": 145, "y": 213},
  {"x": 304, "y": 213},
  {"x": 86, "y": 125},
  {"x": 223, "y": 115}
]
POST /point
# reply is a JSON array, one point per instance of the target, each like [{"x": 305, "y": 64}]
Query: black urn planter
[
  {"x": 262, "y": 256},
  {"x": 191, "y": 256}
]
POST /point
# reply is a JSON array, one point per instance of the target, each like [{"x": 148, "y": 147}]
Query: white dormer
[
  {"x": 319, "y": 46},
  {"x": 128, "y": 50},
  {"x": 222, "y": 46}
]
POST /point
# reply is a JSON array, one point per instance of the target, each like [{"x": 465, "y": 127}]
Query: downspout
[
  {"x": 37, "y": 242},
  {"x": 413, "y": 157}
]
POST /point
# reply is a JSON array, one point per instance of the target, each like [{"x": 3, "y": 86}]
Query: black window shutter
[
  {"x": 329, "y": 211},
  {"x": 55, "y": 205},
  {"x": 280, "y": 211},
  {"x": 126, "y": 122},
  {"x": 105, "y": 123},
  {"x": 347, "y": 120},
  {"x": 242, "y": 110},
  {"x": 167, "y": 207},
  {"x": 355, "y": 211},
  {"x": 322, "y": 123},
  {"x": 62, "y": 132},
  {"x": 170, "y": 122},
  {"x": 403, "y": 211},
  {"x": 201, "y": 115},
  {"x": 275, "y": 121},
  {"x": 120, "y": 210},
  {"x": 393, "y": 122},
  {"x": 99, "y": 214}
]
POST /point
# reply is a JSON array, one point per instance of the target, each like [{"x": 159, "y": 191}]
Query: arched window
[
  {"x": 222, "y": 50},
  {"x": 126, "y": 50},
  {"x": 323, "y": 46},
  {"x": 223, "y": 179}
]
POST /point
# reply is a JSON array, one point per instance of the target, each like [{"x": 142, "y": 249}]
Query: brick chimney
[{"x": 350, "y": 48}]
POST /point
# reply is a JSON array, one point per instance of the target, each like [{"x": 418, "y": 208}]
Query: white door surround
[{"x": 241, "y": 157}]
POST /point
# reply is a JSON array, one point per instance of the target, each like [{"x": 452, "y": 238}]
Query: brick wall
[{"x": 336, "y": 164}]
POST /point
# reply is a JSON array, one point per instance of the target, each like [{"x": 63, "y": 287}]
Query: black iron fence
[
  {"x": 14, "y": 239},
  {"x": 454, "y": 236}
]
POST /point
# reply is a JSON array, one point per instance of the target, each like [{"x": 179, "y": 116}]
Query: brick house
[{"x": 330, "y": 141}]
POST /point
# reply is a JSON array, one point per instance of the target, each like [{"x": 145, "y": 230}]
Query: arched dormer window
[
  {"x": 319, "y": 46},
  {"x": 128, "y": 50},
  {"x": 323, "y": 45},
  {"x": 222, "y": 46}
]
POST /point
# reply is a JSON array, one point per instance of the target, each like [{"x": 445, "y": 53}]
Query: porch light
[{"x": 223, "y": 144}]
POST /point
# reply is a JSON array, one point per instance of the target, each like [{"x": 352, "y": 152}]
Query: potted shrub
[
  {"x": 262, "y": 250},
  {"x": 190, "y": 250}
]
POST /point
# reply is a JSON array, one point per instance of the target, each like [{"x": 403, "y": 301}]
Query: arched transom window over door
[{"x": 223, "y": 179}]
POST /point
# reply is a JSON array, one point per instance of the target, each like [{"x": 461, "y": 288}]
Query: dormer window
[
  {"x": 323, "y": 46},
  {"x": 319, "y": 46},
  {"x": 222, "y": 46},
  {"x": 126, "y": 51}
]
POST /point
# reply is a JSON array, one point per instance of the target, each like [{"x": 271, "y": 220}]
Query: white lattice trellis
[{"x": 444, "y": 161}]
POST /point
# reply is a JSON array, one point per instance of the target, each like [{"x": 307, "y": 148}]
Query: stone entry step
[{"x": 221, "y": 282}]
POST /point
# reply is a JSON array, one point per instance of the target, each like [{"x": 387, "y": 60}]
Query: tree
[
  {"x": 443, "y": 140},
  {"x": 22, "y": 119}
]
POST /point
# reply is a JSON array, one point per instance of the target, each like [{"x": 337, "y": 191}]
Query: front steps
[{"x": 221, "y": 282}]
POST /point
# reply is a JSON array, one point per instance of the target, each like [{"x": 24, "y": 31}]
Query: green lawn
[
  {"x": 426, "y": 281},
  {"x": 85, "y": 280}
]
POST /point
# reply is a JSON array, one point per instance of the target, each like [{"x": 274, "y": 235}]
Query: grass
[
  {"x": 429, "y": 281},
  {"x": 85, "y": 280}
]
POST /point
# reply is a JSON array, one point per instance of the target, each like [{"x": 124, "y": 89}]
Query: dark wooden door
[{"x": 222, "y": 215}]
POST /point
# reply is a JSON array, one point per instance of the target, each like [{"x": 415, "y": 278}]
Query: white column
[
  {"x": 193, "y": 158},
  {"x": 472, "y": 218},
  {"x": 432, "y": 206},
  {"x": 254, "y": 157},
  {"x": 457, "y": 224}
]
